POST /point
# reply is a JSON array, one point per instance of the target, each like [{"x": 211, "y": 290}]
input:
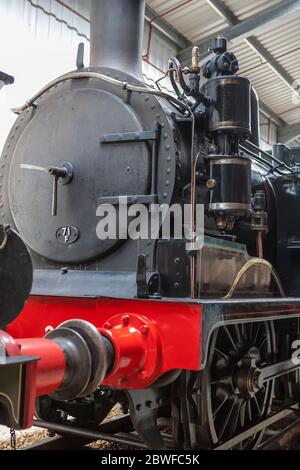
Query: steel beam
[
  {"x": 220, "y": 7},
  {"x": 167, "y": 30},
  {"x": 270, "y": 114},
  {"x": 245, "y": 28},
  {"x": 271, "y": 61},
  {"x": 288, "y": 133}
]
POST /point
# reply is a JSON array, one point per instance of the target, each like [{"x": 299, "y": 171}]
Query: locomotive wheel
[
  {"x": 290, "y": 383},
  {"x": 295, "y": 385},
  {"x": 227, "y": 402}
]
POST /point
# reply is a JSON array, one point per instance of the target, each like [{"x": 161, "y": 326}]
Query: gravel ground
[
  {"x": 23, "y": 438},
  {"x": 29, "y": 436}
]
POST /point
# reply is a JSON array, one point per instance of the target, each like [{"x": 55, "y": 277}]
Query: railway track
[
  {"x": 285, "y": 438},
  {"x": 283, "y": 433}
]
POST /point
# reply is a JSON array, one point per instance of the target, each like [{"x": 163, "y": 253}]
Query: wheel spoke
[
  {"x": 243, "y": 329},
  {"x": 221, "y": 354},
  {"x": 224, "y": 379},
  {"x": 238, "y": 334},
  {"x": 251, "y": 331},
  {"x": 257, "y": 405},
  {"x": 262, "y": 397},
  {"x": 226, "y": 420},
  {"x": 264, "y": 340},
  {"x": 249, "y": 410},
  {"x": 230, "y": 338},
  {"x": 219, "y": 406},
  {"x": 235, "y": 416},
  {"x": 243, "y": 414},
  {"x": 257, "y": 331}
]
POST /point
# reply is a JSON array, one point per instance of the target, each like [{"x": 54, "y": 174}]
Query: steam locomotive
[{"x": 206, "y": 337}]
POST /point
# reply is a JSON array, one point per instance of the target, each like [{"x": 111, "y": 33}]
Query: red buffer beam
[{"x": 131, "y": 345}]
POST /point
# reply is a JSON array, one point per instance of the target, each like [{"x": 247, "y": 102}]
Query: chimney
[{"x": 117, "y": 28}]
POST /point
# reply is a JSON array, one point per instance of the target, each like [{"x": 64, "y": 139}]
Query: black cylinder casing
[
  {"x": 230, "y": 108},
  {"x": 232, "y": 193}
]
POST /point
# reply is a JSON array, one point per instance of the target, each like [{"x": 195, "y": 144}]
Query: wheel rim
[{"x": 227, "y": 410}]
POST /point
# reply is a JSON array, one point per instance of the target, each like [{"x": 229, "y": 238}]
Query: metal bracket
[
  {"x": 144, "y": 405},
  {"x": 80, "y": 56},
  {"x": 148, "y": 284},
  {"x": 17, "y": 378},
  {"x": 140, "y": 136},
  {"x": 153, "y": 284},
  {"x": 141, "y": 279},
  {"x": 181, "y": 120}
]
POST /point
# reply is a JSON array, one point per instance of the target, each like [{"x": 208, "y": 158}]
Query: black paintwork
[
  {"x": 231, "y": 104},
  {"x": 15, "y": 275},
  {"x": 233, "y": 181},
  {"x": 287, "y": 190},
  {"x": 6, "y": 79},
  {"x": 136, "y": 145}
]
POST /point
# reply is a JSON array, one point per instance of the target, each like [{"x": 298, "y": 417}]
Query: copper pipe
[
  {"x": 157, "y": 17},
  {"x": 259, "y": 245}
]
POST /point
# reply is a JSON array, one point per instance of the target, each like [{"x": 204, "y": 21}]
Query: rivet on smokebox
[
  {"x": 125, "y": 320},
  {"x": 107, "y": 325},
  {"x": 143, "y": 375},
  {"x": 144, "y": 330}
]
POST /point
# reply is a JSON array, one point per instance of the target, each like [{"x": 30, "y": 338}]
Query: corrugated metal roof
[
  {"x": 295, "y": 143},
  {"x": 197, "y": 19},
  {"x": 244, "y": 8},
  {"x": 283, "y": 43}
]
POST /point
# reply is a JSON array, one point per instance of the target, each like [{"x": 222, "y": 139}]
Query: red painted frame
[{"x": 178, "y": 327}]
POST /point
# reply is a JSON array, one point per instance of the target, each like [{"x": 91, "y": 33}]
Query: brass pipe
[{"x": 249, "y": 264}]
